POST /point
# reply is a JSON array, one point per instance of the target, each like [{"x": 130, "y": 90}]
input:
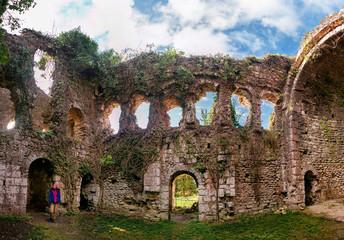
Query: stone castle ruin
[{"x": 65, "y": 136}]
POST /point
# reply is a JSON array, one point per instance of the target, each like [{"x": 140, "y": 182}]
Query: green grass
[
  {"x": 185, "y": 201},
  {"x": 38, "y": 233},
  {"x": 289, "y": 226},
  {"x": 14, "y": 218}
]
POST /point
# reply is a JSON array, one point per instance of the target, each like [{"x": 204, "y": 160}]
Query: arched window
[
  {"x": 175, "y": 116},
  {"x": 75, "y": 127},
  {"x": 114, "y": 118},
  {"x": 142, "y": 115},
  {"x": 43, "y": 71},
  {"x": 240, "y": 110},
  {"x": 204, "y": 108},
  {"x": 267, "y": 111}
]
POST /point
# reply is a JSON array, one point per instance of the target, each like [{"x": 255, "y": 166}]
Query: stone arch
[
  {"x": 75, "y": 124},
  {"x": 171, "y": 186},
  {"x": 314, "y": 98},
  {"x": 39, "y": 182},
  {"x": 269, "y": 96},
  {"x": 165, "y": 188}
]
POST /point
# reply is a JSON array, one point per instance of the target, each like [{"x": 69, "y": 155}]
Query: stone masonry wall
[{"x": 238, "y": 170}]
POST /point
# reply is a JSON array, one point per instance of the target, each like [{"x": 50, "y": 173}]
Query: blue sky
[{"x": 235, "y": 27}]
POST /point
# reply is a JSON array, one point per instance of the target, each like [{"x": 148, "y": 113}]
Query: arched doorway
[
  {"x": 183, "y": 195},
  {"x": 86, "y": 192},
  {"x": 309, "y": 179},
  {"x": 39, "y": 183}
]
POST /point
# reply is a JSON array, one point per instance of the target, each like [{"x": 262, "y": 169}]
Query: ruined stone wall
[
  {"x": 229, "y": 174},
  {"x": 238, "y": 170},
  {"x": 313, "y": 116},
  {"x": 35, "y": 112}
]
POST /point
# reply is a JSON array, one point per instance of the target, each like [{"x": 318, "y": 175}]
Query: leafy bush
[{"x": 81, "y": 47}]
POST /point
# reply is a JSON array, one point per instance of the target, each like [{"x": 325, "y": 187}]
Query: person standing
[{"x": 54, "y": 200}]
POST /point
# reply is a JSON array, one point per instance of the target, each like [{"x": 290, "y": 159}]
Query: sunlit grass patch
[{"x": 185, "y": 201}]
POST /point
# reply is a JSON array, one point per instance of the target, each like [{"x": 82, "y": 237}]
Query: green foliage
[
  {"x": 81, "y": 47},
  {"x": 14, "y": 218},
  {"x": 131, "y": 154},
  {"x": 185, "y": 185},
  {"x": 9, "y": 19},
  {"x": 19, "y": 64},
  {"x": 84, "y": 53},
  {"x": 38, "y": 233},
  {"x": 205, "y": 117},
  {"x": 4, "y": 54},
  {"x": 183, "y": 74},
  {"x": 84, "y": 169},
  {"x": 106, "y": 160},
  {"x": 107, "y": 60},
  {"x": 44, "y": 62},
  {"x": 235, "y": 116}
]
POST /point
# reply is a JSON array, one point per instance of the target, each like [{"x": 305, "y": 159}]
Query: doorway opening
[
  {"x": 86, "y": 192},
  {"x": 309, "y": 180},
  {"x": 183, "y": 196},
  {"x": 39, "y": 184}
]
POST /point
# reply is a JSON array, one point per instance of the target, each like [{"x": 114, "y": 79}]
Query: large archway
[
  {"x": 39, "y": 183},
  {"x": 183, "y": 195}
]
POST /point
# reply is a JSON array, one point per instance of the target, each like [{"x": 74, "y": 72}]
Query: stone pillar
[
  {"x": 296, "y": 195},
  {"x": 127, "y": 120},
  {"x": 222, "y": 108},
  {"x": 189, "y": 119},
  {"x": 158, "y": 116},
  {"x": 255, "y": 113}
]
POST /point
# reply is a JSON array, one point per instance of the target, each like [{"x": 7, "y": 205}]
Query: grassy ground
[
  {"x": 185, "y": 201},
  {"x": 13, "y": 227},
  {"x": 89, "y": 226},
  {"x": 290, "y": 226}
]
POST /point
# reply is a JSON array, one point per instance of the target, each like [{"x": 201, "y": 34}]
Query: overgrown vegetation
[{"x": 8, "y": 10}]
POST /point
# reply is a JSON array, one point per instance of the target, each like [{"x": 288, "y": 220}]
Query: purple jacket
[{"x": 51, "y": 196}]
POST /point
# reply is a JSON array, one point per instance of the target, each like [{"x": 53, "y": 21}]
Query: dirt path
[
  {"x": 64, "y": 228},
  {"x": 332, "y": 209}
]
